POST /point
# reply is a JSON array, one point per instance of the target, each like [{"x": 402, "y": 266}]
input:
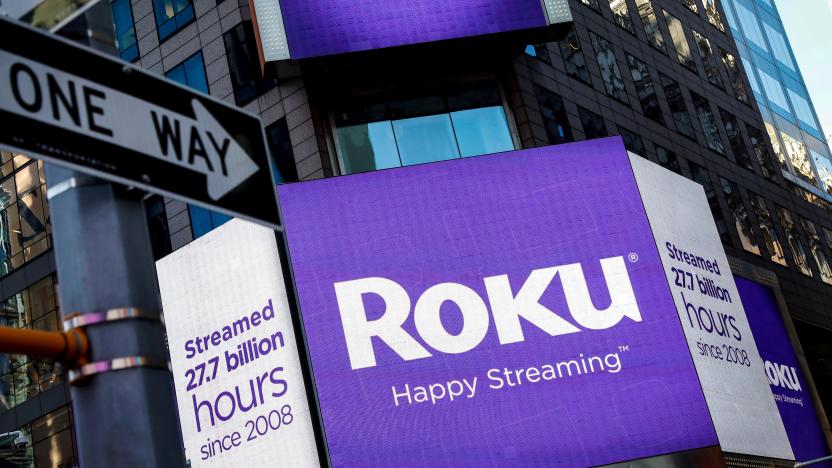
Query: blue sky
[{"x": 808, "y": 24}]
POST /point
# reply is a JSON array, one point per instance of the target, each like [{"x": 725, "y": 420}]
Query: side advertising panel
[
  {"x": 504, "y": 310},
  {"x": 788, "y": 383},
  {"x": 237, "y": 374},
  {"x": 712, "y": 315}
]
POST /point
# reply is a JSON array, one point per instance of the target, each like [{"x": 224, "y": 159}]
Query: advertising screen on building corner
[{"x": 505, "y": 310}]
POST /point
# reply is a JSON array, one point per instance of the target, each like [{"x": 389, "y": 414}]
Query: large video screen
[
  {"x": 326, "y": 27},
  {"x": 504, "y": 310}
]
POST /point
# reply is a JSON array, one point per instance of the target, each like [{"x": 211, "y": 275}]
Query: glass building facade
[{"x": 790, "y": 120}]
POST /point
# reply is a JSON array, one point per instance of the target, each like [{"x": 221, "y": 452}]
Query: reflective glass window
[
  {"x": 701, "y": 175},
  {"x": 775, "y": 144},
  {"x": 742, "y": 220},
  {"x": 125, "y": 30},
  {"x": 817, "y": 250},
  {"x": 191, "y": 73},
  {"x": 645, "y": 89},
  {"x": 651, "y": 24},
  {"x": 425, "y": 139},
  {"x": 735, "y": 139},
  {"x": 594, "y": 126},
  {"x": 750, "y": 26},
  {"x": 774, "y": 89},
  {"x": 554, "y": 116},
  {"x": 799, "y": 156},
  {"x": 802, "y": 109},
  {"x": 770, "y": 237},
  {"x": 204, "y": 221},
  {"x": 621, "y": 15},
  {"x": 610, "y": 73},
  {"x": 171, "y": 15},
  {"x": 735, "y": 75},
  {"x": 573, "y": 57},
  {"x": 793, "y": 239},
  {"x": 680, "y": 41},
  {"x": 539, "y": 51},
  {"x": 708, "y": 122},
  {"x": 713, "y": 15},
  {"x": 368, "y": 147},
  {"x": 633, "y": 142},
  {"x": 481, "y": 131},
  {"x": 678, "y": 108},
  {"x": 244, "y": 64},
  {"x": 824, "y": 168},
  {"x": 280, "y": 147},
  {"x": 691, "y": 4},
  {"x": 667, "y": 159},
  {"x": 761, "y": 152},
  {"x": 592, "y": 4},
  {"x": 706, "y": 53},
  {"x": 778, "y": 46}
]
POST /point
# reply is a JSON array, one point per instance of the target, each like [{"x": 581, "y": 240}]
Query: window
[
  {"x": 774, "y": 90},
  {"x": 613, "y": 81},
  {"x": 778, "y": 46},
  {"x": 425, "y": 129},
  {"x": 775, "y": 250},
  {"x": 750, "y": 26},
  {"x": 22, "y": 377},
  {"x": 191, "y": 73},
  {"x": 790, "y": 229},
  {"x": 280, "y": 146},
  {"x": 244, "y": 64},
  {"x": 700, "y": 175},
  {"x": 775, "y": 143},
  {"x": 799, "y": 156},
  {"x": 742, "y": 221},
  {"x": 817, "y": 250},
  {"x": 667, "y": 159},
  {"x": 171, "y": 15},
  {"x": 651, "y": 24},
  {"x": 824, "y": 168},
  {"x": 540, "y": 52},
  {"x": 25, "y": 230},
  {"x": 680, "y": 42},
  {"x": 594, "y": 126},
  {"x": 761, "y": 152},
  {"x": 678, "y": 108},
  {"x": 573, "y": 57},
  {"x": 708, "y": 122},
  {"x": 732, "y": 129},
  {"x": 735, "y": 75},
  {"x": 632, "y": 142},
  {"x": 157, "y": 224},
  {"x": 621, "y": 15},
  {"x": 592, "y": 4},
  {"x": 125, "y": 30},
  {"x": 708, "y": 59},
  {"x": 691, "y": 4},
  {"x": 51, "y": 441},
  {"x": 713, "y": 15},
  {"x": 802, "y": 109},
  {"x": 554, "y": 116},
  {"x": 645, "y": 89}
]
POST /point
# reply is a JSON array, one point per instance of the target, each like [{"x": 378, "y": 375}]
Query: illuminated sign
[
  {"x": 237, "y": 373},
  {"x": 504, "y": 309}
]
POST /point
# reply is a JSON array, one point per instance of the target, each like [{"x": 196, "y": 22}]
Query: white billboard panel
[
  {"x": 727, "y": 361},
  {"x": 237, "y": 373}
]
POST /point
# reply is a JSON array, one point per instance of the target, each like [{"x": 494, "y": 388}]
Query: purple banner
[
  {"x": 504, "y": 310},
  {"x": 788, "y": 384},
  {"x": 326, "y": 27}
]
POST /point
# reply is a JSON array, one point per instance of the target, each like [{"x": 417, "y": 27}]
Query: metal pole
[
  {"x": 126, "y": 417},
  {"x": 814, "y": 462}
]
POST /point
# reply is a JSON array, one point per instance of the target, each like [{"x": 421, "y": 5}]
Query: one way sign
[{"x": 99, "y": 115}]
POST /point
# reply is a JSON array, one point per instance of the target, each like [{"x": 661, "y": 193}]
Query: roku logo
[{"x": 506, "y": 308}]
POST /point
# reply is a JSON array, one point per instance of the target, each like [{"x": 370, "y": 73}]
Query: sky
[{"x": 808, "y": 23}]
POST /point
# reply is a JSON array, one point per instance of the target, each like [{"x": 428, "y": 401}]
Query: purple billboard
[
  {"x": 788, "y": 383},
  {"x": 326, "y": 27},
  {"x": 504, "y": 310}
]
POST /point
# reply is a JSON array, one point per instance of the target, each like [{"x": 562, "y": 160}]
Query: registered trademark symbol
[{"x": 633, "y": 257}]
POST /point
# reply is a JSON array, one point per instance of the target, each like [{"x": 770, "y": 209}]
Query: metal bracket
[
  {"x": 71, "y": 183},
  {"x": 86, "y": 371},
  {"x": 78, "y": 320}
]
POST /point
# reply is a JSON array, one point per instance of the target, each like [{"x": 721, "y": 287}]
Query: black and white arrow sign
[{"x": 77, "y": 107}]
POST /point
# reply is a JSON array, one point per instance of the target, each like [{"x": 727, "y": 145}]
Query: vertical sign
[
  {"x": 239, "y": 387},
  {"x": 788, "y": 383},
  {"x": 711, "y": 312}
]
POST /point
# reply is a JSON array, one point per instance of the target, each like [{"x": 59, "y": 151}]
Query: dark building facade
[{"x": 665, "y": 75}]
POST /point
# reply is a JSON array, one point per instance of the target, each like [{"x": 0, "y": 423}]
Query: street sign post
[{"x": 107, "y": 118}]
